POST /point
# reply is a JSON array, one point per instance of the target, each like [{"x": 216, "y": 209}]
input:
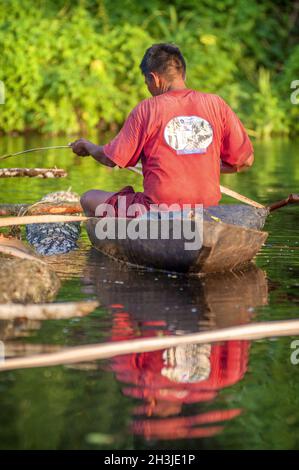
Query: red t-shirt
[{"x": 180, "y": 137}]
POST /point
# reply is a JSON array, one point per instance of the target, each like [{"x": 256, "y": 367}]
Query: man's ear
[{"x": 155, "y": 77}]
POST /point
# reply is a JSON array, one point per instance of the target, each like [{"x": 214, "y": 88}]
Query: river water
[{"x": 233, "y": 395}]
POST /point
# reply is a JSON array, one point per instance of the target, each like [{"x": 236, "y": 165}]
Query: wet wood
[
  {"x": 41, "y": 208},
  {"x": 32, "y": 172},
  {"x": 291, "y": 199},
  {"x": 93, "y": 352},
  {"x": 55, "y": 311}
]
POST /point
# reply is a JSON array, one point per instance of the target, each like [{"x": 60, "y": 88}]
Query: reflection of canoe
[
  {"x": 184, "y": 303},
  {"x": 226, "y": 243}
]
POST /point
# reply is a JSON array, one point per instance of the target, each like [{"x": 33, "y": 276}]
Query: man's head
[{"x": 164, "y": 68}]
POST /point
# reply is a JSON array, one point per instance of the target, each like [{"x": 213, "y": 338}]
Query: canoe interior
[
  {"x": 239, "y": 214},
  {"x": 224, "y": 246}
]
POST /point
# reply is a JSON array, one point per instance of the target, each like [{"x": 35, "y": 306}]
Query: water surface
[{"x": 234, "y": 395}]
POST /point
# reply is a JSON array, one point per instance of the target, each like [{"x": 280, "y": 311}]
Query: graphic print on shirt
[{"x": 188, "y": 134}]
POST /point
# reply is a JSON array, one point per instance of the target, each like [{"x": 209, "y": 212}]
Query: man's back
[{"x": 180, "y": 136}]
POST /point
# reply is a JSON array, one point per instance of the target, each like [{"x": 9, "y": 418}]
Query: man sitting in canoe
[{"x": 183, "y": 138}]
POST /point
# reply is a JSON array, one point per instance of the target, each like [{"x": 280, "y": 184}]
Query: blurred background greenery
[{"x": 72, "y": 66}]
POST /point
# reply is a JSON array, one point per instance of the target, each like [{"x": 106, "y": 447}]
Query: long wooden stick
[
  {"x": 104, "y": 351},
  {"x": 40, "y": 219},
  {"x": 240, "y": 197},
  {"x": 4, "y": 157}
]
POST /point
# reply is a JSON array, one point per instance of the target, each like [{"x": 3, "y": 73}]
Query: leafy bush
[{"x": 72, "y": 66}]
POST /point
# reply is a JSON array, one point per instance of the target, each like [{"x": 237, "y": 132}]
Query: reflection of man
[
  {"x": 170, "y": 177},
  {"x": 166, "y": 380}
]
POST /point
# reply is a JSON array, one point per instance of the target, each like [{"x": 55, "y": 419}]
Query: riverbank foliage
[{"x": 71, "y": 66}]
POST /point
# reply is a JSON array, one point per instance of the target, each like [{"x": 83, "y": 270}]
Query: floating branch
[{"x": 32, "y": 172}]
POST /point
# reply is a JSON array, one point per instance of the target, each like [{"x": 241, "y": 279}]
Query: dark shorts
[{"x": 127, "y": 203}]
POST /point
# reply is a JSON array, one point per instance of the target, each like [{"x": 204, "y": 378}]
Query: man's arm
[
  {"x": 84, "y": 148},
  {"x": 226, "y": 168},
  {"x": 236, "y": 151}
]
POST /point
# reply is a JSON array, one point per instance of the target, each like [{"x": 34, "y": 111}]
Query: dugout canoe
[{"x": 231, "y": 237}]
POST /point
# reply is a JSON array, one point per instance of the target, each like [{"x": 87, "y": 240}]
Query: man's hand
[{"x": 81, "y": 147}]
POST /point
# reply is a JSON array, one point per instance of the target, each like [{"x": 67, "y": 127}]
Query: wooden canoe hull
[{"x": 224, "y": 247}]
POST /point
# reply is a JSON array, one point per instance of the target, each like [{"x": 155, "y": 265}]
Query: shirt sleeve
[
  {"x": 236, "y": 146},
  {"x": 126, "y": 148}
]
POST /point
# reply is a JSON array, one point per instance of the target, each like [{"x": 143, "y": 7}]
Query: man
[{"x": 184, "y": 138}]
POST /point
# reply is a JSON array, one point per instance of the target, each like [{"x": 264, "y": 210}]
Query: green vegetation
[{"x": 71, "y": 66}]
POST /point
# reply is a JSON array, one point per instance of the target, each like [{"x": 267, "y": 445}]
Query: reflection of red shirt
[
  {"x": 142, "y": 373},
  {"x": 180, "y": 137},
  {"x": 143, "y": 370}
]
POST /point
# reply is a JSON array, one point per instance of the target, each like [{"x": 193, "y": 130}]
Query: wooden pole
[
  {"x": 240, "y": 197},
  {"x": 94, "y": 352},
  {"x": 41, "y": 219},
  {"x": 4, "y": 157}
]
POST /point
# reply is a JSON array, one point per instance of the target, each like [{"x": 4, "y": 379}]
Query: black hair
[{"x": 166, "y": 59}]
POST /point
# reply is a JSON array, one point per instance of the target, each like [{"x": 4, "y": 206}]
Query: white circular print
[{"x": 188, "y": 134}]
